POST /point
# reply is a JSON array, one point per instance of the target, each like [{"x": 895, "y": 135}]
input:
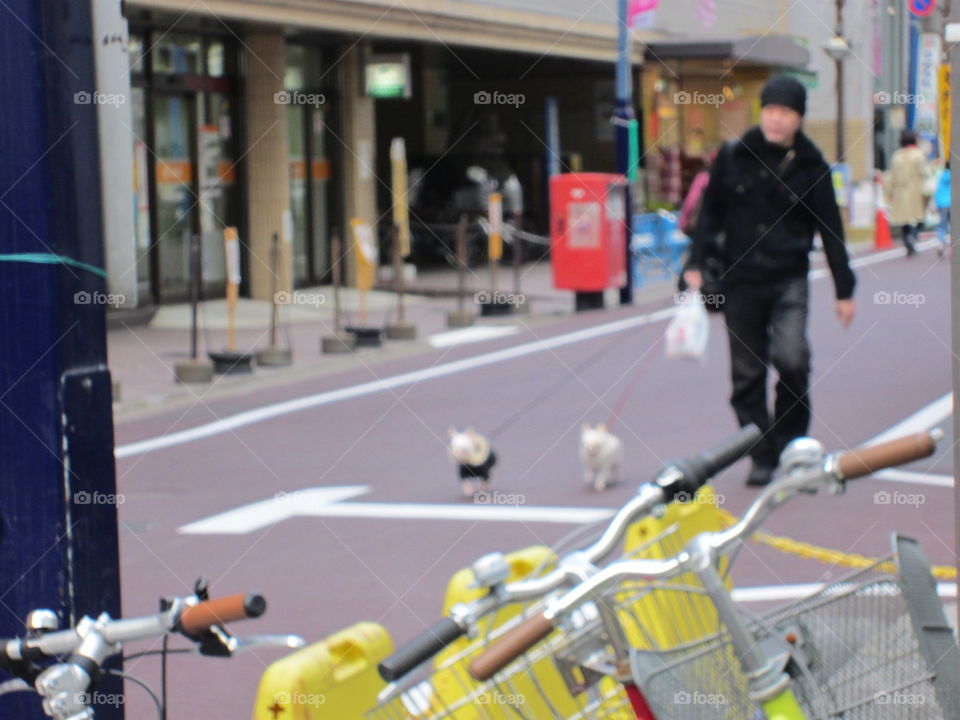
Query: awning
[
  {"x": 778, "y": 51},
  {"x": 524, "y": 28}
]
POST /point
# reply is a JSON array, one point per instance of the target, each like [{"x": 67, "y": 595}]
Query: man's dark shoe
[{"x": 760, "y": 474}]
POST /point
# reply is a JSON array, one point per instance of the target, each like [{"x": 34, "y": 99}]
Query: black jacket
[{"x": 766, "y": 222}]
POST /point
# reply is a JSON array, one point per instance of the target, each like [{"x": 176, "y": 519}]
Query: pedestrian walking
[
  {"x": 769, "y": 192},
  {"x": 904, "y": 186},
  {"x": 942, "y": 200}
]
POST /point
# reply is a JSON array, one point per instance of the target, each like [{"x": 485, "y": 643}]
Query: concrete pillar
[
  {"x": 358, "y": 119},
  {"x": 266, "y": 149},
  {"x": 112, "y": 97}
]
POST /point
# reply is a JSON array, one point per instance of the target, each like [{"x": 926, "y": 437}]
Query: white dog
[
  {"x": 601, "y": 453},
  {"x": 475, "y": 459}
]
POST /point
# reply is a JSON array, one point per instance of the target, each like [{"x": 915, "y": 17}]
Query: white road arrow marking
[
  {"x": 281, "y": 506},
  {"x": 327, "y": 502}
]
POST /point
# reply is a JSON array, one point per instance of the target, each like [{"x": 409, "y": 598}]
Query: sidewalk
[{"x": 142, "y": 358}]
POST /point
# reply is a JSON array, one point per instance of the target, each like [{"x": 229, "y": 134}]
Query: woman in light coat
[{"x": 905, "y": 189}]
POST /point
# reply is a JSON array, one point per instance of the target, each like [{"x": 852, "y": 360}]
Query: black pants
[
  {"x": 911, "y": 234},
  {"x": 767, "y": 325}
]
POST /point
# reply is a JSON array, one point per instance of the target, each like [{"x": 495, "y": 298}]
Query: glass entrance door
[
  {"x": 196, "y": 189},
  {"x": 218, "y": 200},
  {"x": 174, "y": 123},
  {"x": 185, "y": 156},
  {"x": 319, "y": 191},
  {"x": 310, "y": 190}
]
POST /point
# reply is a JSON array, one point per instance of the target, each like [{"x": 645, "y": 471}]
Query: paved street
[{"x": 384, "y": 546}]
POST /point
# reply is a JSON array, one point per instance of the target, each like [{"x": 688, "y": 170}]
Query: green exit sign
[{"x": 388, "y": 76}]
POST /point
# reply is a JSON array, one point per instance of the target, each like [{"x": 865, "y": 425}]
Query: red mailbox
[{"x": 588, "y": 231}]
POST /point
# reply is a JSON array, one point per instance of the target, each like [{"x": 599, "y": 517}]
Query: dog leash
[
  {"x": 540, "y": 397},
  {"x": 628, "y": 391},
  {"x": 562, "y": 380}
]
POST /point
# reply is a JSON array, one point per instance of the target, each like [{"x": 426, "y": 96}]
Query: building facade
[{"x": 277, "y": 117}]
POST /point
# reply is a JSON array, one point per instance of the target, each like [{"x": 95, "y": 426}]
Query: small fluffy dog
[
  {"x": 475, "y": 459},
  {"x": 601, "y": 453}
]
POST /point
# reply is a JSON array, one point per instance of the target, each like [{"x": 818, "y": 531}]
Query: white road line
[
  {"x": 914, "y": 478},
  {"x": 873, "y": 259},
  {"x": 325, "y": 398},
  {"x": 472, "y": 335},
  {"x": 923, "y": 419},
  {"x": 771, "y": 593},
  {"x": 327, "y": 502}
]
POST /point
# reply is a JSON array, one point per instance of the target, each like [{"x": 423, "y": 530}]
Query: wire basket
[
  {"x": 549, "y": 681},
  {"x": 852, "y": 650},
  {"x": 569, "y": 675}
]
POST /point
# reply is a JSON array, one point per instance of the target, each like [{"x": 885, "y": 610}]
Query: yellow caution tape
[{"x": 826, "y": 555}]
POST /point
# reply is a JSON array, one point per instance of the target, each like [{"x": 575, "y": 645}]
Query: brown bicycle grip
[
  {"x": 863, "y": 461},
  {"x": 510, "y": 646},
  {"x": 197, "y": 618}
]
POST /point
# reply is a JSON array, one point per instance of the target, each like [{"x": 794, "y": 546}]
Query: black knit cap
[{"x": 785, "y": 90}]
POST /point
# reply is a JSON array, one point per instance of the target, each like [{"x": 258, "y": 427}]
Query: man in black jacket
[{"x": 769, "y": 192}]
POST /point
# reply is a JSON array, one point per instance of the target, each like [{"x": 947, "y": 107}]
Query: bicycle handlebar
[
  {"x": 91, "y": 642},
  {"x": 516, "y": 642},
  {"x": 192, "y": 618},
  {"x": 195, "y": 619},
  {"x": 834, "y": 468},
  {"x": 675, "y": 480},
  {"x": 696, "y": 471},
  {"x": 864, "y": 461},
  {"x": 421, "y": 648}
]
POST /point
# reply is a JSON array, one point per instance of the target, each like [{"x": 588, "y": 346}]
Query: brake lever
[
  {"x": 289, "y": 642},
  {"x": 217, "y": 642},
  {"x": 23, "y": 670}
]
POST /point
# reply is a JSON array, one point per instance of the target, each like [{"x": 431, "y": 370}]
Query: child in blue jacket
[{"x": 942, "y": 199}]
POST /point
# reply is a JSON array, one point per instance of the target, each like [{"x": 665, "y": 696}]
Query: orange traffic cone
[{"x": 882, "y": 237}]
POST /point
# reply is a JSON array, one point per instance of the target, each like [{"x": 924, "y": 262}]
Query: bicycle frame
[{"x": 805, "y": 468}]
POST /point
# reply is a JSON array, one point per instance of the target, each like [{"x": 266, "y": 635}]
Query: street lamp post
[{"x": 838, "y": 49}]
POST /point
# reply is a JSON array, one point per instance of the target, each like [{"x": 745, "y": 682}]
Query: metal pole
[
  {"x": 274, "y": 269},
  {"x": 841, "y": 144},
  {"x": 194, "y": 241},
  {"x": 461, "y": 261},
  {"x": 494, "y": 282},
  {"x": 841, "y": 140},
  {"x": 336, "y": 249},
  {"x": 517, "y": 250},
  {"x": 623, "y": 118},
  {"x": 398, "y": 273},
  {"x": 58, "y": 501},
  {"x": 954, "y": 56}
]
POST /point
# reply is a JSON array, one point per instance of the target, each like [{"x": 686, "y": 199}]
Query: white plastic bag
[{"x": 687, "y": 333}]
